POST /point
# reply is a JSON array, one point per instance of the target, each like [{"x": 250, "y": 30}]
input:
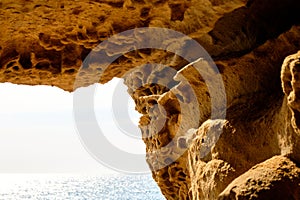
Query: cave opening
[
  {"x": 37, "y": 124},
  {"x": 39, "y": 143}
]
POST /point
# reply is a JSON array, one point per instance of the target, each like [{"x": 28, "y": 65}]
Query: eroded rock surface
[
  {"x": 266, "y": 180},
  {"x": 247, "y": 154}
]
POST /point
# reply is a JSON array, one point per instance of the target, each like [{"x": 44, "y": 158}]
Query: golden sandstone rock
[{"x": 254, "y": 153}]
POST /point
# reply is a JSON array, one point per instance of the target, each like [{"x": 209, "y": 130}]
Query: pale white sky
[{"x": 38, "y": 134}]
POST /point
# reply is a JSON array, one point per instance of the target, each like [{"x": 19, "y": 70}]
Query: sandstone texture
[{"x": 252, "y": 151}]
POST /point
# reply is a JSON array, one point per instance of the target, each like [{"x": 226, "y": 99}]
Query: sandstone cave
[{"x": 254, "y": 45}]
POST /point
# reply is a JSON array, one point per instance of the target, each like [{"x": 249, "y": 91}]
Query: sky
[{"x": 38, "y": 132}]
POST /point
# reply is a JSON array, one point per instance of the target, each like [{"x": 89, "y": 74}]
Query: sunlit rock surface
[{"x": 252, "y": 153}]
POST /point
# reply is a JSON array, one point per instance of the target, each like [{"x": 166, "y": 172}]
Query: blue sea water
[{"x": 106, "y": 187}]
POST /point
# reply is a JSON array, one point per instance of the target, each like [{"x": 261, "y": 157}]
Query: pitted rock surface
[{"x": 253, "y": 153}]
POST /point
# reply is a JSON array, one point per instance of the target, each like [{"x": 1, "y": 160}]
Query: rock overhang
[{"x": 47, "y": 42}]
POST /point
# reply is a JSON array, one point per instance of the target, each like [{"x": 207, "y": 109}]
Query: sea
[{"x": 79, "y": 187}]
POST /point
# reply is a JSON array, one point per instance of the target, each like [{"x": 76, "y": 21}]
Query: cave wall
[{"x": 258, "y": 151}]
